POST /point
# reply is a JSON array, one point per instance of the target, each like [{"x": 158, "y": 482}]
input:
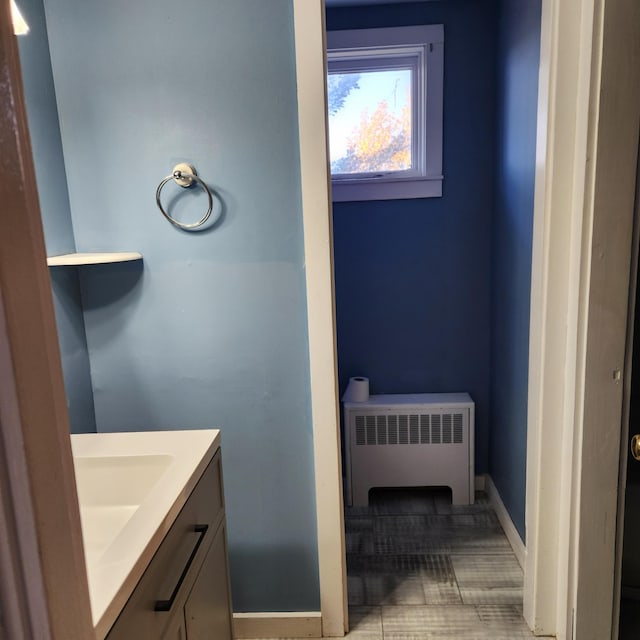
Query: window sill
[{"x": 407, "y": 189}]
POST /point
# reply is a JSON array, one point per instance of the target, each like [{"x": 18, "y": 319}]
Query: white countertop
[{"x": 131, "y": 487}]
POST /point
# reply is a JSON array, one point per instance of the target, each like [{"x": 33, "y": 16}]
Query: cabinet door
[
  {"x": 176, "y": 629},
  {"x": 208, "y": 610}
]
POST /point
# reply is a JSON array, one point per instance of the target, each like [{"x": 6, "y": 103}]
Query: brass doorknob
[{"x": 635, "y": 446}]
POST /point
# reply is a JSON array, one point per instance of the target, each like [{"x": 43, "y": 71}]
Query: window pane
[{"x": 370, "y": 121}]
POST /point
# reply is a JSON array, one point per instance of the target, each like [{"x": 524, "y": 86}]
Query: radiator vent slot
[
  {"x": 371, "y": 429},
  {"x": 382, "y": 429},
  {"x": 403, "y": 429},
  {"x": 436, "y": 428},
  {"x": 457, "y": 428},
  {"x": 414, "y": 431},
  {"x": 360, "y": 438},
  {"x": 447, "y": 435},
  {"x": 392, "y": 422},
  {"x": 424, "y": 429}
]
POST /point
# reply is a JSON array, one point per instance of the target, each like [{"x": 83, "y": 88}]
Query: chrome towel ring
[{"x": 185, "y": 175}]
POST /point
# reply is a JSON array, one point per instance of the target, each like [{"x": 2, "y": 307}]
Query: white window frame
[{"x": 420, "y": 48}]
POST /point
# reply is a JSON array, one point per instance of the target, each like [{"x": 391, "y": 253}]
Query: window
[{"x": 385, "y": 112}]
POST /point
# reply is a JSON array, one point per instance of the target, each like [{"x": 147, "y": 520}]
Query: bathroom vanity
[{"x": 152, "y": 511}]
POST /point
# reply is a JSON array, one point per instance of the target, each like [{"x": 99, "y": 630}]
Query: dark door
[{"x": 630, "y": 600}]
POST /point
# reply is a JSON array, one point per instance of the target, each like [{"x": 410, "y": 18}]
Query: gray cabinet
[
  {"x": 176, "y": 629},
  {"x": 184, "y": 592},
  {"x": 207, "y": 608}
]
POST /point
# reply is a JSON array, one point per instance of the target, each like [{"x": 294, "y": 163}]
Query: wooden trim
[
  {"x": 506, "y": 522},
  {"x": 24, "y": 609},
  {"x": 609, "y": 207},
  {"x": 305, "y": 624},
  {"x": 563, "y": 111},
  {"x": 587, "y": 126},
  {"x": 39, "y": 502},
  {"x": 318, "y": 246}
]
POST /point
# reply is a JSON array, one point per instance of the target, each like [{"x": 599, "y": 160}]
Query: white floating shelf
[{"x": 75, "y": 259}]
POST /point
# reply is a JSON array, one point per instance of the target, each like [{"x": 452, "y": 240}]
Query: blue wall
[
  {"x": 413, "y": 276},
  {"x": 519, "y": 56},
  {"x": 211, "y": 329},
  {"x": 42, "y": 116}
]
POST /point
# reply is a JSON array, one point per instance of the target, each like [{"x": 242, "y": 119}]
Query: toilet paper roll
[{"x": 357, "y": 390}]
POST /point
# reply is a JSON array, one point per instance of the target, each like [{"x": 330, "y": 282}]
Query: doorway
[{"x": 415, "y": 303}]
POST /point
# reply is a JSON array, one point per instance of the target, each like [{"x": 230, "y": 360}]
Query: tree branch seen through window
[{"x": 370, "y": 121}]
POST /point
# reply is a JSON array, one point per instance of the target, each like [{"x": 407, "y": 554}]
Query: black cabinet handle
[{"x": 165, "y": 605}]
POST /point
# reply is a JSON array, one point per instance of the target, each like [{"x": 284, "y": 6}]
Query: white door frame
[
  {"x": 589, "y": 110},
  {"x": 309, "y": 21},
  {"x": 607, "y": 270},
  {"x": 565, "y": 60}
]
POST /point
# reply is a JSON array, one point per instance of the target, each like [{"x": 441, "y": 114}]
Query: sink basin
[
  {"x": 106, "y": 481},
  {"x": 110, "y": 490}
]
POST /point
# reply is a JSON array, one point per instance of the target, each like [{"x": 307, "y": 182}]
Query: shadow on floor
[{"x": 419, "y": 567}]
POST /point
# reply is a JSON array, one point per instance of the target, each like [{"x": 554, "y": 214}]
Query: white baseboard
[
  {"x": 288, "y": 624},
  {"x": 507, "y": 523},
  {"x": 480, "y": 483}
]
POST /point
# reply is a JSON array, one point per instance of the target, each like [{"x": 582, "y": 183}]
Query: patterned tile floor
[{"x": 420, "y": 568}]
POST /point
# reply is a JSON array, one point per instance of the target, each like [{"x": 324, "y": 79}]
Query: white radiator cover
[{"x": 410, "y": 440}]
